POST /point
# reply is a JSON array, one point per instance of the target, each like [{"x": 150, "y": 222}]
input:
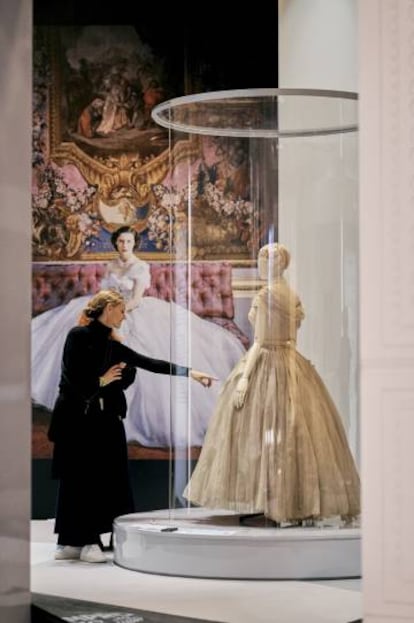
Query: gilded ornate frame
[{"x": 128, "y": 172}]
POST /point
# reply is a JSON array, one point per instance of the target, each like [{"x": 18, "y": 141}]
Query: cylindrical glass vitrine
[{"x": 259, "y": 215}]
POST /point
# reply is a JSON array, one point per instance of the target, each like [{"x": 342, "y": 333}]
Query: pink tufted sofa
[{"x": 209, "y": 290}]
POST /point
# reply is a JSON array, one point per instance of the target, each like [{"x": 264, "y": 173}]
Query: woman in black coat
[{"x": 90, "y": 450}]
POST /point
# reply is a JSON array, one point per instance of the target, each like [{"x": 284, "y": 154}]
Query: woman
[
  {"x": 90, "y": 451},
  {"x": 150, "y": 326},
  {"x": 276, "y": 444}
]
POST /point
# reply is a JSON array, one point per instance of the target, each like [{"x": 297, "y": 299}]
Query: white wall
[
  {"x": 386, "y": 61},
  {"x": 15, "y": 202},
  {"x": 385, "y": 55}
]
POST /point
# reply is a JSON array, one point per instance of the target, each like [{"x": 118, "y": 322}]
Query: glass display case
[{"x": 258, "y": 216}]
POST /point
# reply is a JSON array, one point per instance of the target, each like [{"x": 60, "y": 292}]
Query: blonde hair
[
  {"x": 96, "y": 305},
  {"x": 278, "y": 254}
]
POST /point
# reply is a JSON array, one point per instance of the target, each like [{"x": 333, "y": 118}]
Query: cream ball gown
[{"x": 284, "y": 453}]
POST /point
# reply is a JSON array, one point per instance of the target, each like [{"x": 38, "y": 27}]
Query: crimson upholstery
[
  {"x": 57, "y": 284},
  {"x": 208, "y": 286},
  {"x": 203, "y": 287}
]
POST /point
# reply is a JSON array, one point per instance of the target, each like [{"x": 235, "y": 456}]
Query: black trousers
[{"x": 74, "y": 525}]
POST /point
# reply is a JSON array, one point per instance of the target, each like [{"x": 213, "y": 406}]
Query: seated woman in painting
[{"x": 160, "y": 412}]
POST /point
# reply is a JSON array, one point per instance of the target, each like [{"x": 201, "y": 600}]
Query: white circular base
[{"x": 199, "y": 543}]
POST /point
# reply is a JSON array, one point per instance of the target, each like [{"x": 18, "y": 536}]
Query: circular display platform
[{"x": 214, "y": 544}]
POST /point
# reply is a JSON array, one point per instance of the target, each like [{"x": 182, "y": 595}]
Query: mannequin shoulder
[{"x": 263, "y": 294}]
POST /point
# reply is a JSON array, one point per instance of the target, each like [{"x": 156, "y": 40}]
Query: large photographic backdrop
[{"x": 100, "y": 162}]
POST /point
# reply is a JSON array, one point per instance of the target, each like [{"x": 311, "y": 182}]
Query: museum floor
[{"x": 333, "y": 601}]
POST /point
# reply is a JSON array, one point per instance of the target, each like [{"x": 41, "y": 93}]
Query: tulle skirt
[
  {"x": 284, "y": 453},
  {"x": 162, "y": 410}
]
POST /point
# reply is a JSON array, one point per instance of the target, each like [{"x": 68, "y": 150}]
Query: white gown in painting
[{"x": 162, "y": 410}]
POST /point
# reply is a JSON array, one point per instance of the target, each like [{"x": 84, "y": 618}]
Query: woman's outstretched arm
[{"x": 159, "y": 366}]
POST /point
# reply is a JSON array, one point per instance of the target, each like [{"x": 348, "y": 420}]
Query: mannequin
[{"x": 276, "y": 444}]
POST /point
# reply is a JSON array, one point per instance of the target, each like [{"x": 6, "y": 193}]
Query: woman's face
[
  {"x": 125, "y": 244},
  {"x": 115, "y": 314}
]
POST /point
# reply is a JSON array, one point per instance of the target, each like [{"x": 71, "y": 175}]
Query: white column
[
  {"x": 15, "y": 206},
  {"x": 318, "y": 44},
  {"x": 318, "y": 193},
  {"x": 386, "y": 61}
]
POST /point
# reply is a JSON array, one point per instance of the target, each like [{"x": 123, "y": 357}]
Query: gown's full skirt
[
  {"x": 284, "y": 453},
  {"x": 162, "y": 410}
]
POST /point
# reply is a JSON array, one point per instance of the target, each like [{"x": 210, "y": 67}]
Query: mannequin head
[{"x": 272, "y": 260}]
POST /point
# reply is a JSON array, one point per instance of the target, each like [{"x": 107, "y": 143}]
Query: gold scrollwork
[{"x": 123, "y": 177}]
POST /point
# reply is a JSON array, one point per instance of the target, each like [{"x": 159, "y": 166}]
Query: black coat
[{"x": 90, "y": 450}]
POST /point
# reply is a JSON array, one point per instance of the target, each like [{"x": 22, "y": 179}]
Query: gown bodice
[
  {"x": 276, "y": 313},
  {"x": 122, "y": 279}
]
